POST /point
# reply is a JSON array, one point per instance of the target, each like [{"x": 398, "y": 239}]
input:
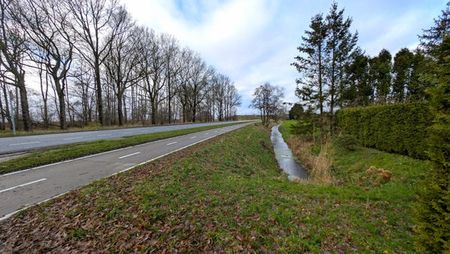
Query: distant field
[{"x": 228, "y": 195}]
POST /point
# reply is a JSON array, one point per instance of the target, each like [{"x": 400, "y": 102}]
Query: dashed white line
[
  {"x": 129, "y": 155},
  {"x": 142, "y": 163},
  {"x": 193, "y": 137},
  {"x": 22, "y": 185},
  {"x": 172, "y": 143},
  {"x": 72, "y": 138},
  {"x": 104, "y": 135},
  {"x": 25, "y": 143}
]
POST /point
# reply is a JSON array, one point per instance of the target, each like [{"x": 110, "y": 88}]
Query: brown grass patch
[{"x": 318, "y": 166}]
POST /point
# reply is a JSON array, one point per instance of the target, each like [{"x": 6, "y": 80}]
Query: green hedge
[{"x": 398, "y": 128}]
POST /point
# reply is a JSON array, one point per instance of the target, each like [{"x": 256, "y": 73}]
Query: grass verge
[
  {"x": 383, "y": 178},
  {"x": 66, "y": 152},
  {"x": 223, "y": 196},
  {"x": 54, "y": 129}
]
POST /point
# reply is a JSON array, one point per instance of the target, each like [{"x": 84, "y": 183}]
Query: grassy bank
[
  {"x": 224, "y": 196},
  {"x": 66, "y": 152},
  {"x": 383, "y": 178}
]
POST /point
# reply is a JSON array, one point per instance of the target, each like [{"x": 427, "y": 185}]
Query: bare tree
[
  {"x": 153, "y": 70},
  {"x": 92, "y": 25},
  {"x": 12, "y": 48},
  {"x": 267, "y": 99},
  {"x": 173, "y": 65},
  {"x": 45, "y": 25},
  {"x": 124, "y": 58}
]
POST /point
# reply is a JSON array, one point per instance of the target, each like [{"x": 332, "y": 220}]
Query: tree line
[
  {"x": 79, "y": 62},
  {"x": 335, "y": 72}
]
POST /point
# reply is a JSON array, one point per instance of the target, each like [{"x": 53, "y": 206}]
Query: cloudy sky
[{"x": 254, "y": 41}]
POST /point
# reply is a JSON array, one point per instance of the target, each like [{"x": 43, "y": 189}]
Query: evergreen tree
[
  {"x": 296, "y": 112},
  {"x": 432, "y": 38},
  {"x": 417, "y": 86},
  {"x": 311, "y": 64},
  {"x": 402, "y": 70},
  {"x": 357, "y": 90},
  {"x": 380, "y": 75},
  {"x": 433, "y": 208},
  {"x": 340, "y": 45},
  {"x": 434, "y": 204}
]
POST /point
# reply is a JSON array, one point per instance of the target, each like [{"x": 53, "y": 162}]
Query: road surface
[
  {"x": 22, "y": 189},
  {"x": 26, "y": 143}
]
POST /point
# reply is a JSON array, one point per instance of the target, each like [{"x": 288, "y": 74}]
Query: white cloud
[{"x": 254, "y": 41}]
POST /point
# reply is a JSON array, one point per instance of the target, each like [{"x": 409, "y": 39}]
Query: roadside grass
[
  {"x": 226, "y": 195},
  {"x": 363, "y": 171},
  {"x": 71, "y": 151},
  {"x": 54, "y": 129}
]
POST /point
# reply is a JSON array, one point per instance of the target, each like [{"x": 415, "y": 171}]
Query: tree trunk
[
  {"x": 119, "y": 108},
  {"x": 98, "y": 85},
  {"x": 61, "y": 103},
  {"x": 184, "y": 112},
  {"x": 2, "y": 113},
  {"x": 7, "y": 112},
  {"x": 154, "y": 111},
  {"x": 27, "y": 125},
  {"x": 62, "y": 112},
  {"x": 125, "y": 111}
]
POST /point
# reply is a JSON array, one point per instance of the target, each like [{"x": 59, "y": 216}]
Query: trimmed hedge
[{"x": 397, "y": 128}]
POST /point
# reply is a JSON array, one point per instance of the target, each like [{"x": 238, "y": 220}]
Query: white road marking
[
  {"x": 7, "y": 216},
  {"x": 104, "y": 135},
  {"x": 93, "y": 155},
  {"x": 22, "y": 185},
  {"x": 129, "y": 155},
  {"x": 172, "y": 143},
  {"x": 207, "y": 133},
  {"x": 25, "y": 143},
  {"x": 193, "y": 137},
  {"x": 72, "y": 138}
]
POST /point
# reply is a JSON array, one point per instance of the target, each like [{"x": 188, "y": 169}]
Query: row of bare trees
[{"x": 86, "y": 61}]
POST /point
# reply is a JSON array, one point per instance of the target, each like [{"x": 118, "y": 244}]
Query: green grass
[
  {"x": 287, "y": 128},
  {"x": 66, "y": 152},
  {"x": 395, "y": 199},
  {"x": 227, "y": 196},
  {"x": 54, "y": 129}
]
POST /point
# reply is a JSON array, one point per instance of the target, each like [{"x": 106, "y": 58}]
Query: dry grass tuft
[{"x": 318, "y": 166}]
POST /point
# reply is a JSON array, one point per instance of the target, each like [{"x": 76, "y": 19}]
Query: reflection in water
[{"x": 285, "y": 158}]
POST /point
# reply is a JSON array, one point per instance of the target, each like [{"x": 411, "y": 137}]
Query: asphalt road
[
  {"x": 19, "y": 190},
  {"x": 26, "y": 143}
]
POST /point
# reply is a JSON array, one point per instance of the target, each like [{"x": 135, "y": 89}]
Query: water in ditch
[{"x": 285, "y": 158}]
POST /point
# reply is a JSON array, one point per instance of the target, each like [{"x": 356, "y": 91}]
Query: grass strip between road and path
[
  {"x": 71, "y": 151},
  {"x": 228, "y": 195}
]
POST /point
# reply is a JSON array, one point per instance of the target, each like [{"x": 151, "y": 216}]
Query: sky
[{"x": 254, "y": 41}]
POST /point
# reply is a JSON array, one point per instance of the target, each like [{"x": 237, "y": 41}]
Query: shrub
[
  {"x": 433, "y": 207},
  {"x": 347, "y": 142},
  {"x": 398, "y": 128}
]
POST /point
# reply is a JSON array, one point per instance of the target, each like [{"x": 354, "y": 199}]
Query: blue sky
[{"x": 254, "y": 41}]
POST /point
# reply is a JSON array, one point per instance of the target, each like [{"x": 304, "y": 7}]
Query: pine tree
[
  {"x": 417, "y": 86},
  {"x": 433, "y": 207},
  {"x": 380, "y": 75},
  {"x": 311, "y": 64},
  {"x": 434, "y": 203},
  {"x": 402, "y": 70},
  {"x": 357, "y": 90},
  {"x": 340, "y": 45}
]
